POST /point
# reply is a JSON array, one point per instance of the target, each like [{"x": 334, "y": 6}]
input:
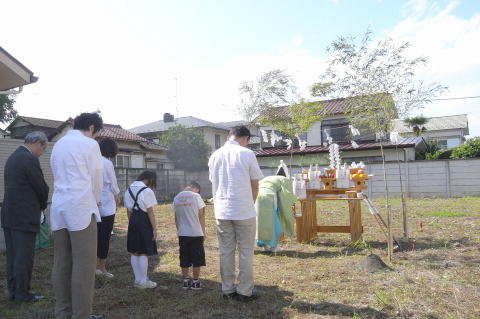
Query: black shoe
[
  {"x": 187, "y": 283},
  {"x": 34, "y": 298},
  {"x": 230, "y": 296},
  {"x": 243, "y": 298},
  {"x": 96, "y": 317},
  {"x": 196, "y": 285}
]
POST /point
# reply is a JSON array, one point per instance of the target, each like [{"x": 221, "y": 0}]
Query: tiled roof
[
  {"x": 116, "y": 132},
  {"x": 405, "y": 142},
  {"x": 41, "y": 122},
  {"x": 435, "y": 124},
  {"x": 331, "y": 107},
  {"x": 153, "y": 146},
  {"x": 188, "y": 121},
  {"x": 231, "y": 124}
]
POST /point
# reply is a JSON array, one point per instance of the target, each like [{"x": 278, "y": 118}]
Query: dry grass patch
[{"x": 436, "y": 275}]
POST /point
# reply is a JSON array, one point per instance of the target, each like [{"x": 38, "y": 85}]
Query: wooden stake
[{"x": 389, "y": 231}]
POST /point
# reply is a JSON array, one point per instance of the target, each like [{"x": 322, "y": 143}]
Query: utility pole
[{"x": 176, "y": 96}]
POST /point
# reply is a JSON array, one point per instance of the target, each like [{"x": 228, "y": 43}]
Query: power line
[{"x": 445, "y": 99}]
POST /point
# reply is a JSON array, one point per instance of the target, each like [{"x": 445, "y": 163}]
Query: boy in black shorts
[{"x": 189, "y": 211}]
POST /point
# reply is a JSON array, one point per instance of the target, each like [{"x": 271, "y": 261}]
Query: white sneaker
[
  {"x": 277, "y": 249},
  {"x": 147, "y": 285},
  {"x": 106, "y": 274}
]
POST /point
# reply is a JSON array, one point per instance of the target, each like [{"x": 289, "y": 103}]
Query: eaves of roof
[{"x": 404, "y": 143}]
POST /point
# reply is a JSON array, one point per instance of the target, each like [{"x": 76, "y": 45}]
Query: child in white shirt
[{"x": 189, "y": 211}]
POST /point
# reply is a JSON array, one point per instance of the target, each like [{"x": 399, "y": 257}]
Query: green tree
[
  {"x": 271, "y": 89},
  {"x": 378, "y": 81},
  {"x": 186, "y": 148},
  {"x": 416, "y": 123},
  {"x": 470, "y": 149},
  {"x": 273, "y": 101},
  {"x": 7, "y": 112},
  {"x": 431, "y": 153}
]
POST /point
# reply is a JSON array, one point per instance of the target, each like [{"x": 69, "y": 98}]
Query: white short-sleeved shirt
[
  {"x": 232, "y": 167},
  {"x": 77, "y": 169},
  {"x": 186, "y": 206},
  {"x": 146, "y": 199},
  {"x": 109, "y": 190}
]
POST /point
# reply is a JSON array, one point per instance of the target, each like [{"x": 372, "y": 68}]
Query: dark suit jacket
[{"x": 26, "y": 192}]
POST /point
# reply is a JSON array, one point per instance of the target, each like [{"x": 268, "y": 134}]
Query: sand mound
[{"x": 372, "y": 264}]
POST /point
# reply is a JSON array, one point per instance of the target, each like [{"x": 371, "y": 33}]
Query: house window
[
  {"x": 217, "y": 141},
  {"x": 338, "y": 132},
  {"x": 122, "y": 161},
  {"x": 442, "y": 144}
]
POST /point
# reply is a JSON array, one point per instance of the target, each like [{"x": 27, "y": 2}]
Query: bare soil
[{"x": 435, "y": 275}]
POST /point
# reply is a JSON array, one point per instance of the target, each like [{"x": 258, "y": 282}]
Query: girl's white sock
[
  {"x": 143, "y": 268},
  {"x": 136, "y": 268}
]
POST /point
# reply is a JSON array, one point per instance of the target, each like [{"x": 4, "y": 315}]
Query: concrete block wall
[{"x": 441, "y": 178}]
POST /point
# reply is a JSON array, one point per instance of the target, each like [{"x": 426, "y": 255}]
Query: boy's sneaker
[
  {"x": 147, "y": 285},
  {"x": 196, "y": 285},
  {"x": 187, "y": 283}
]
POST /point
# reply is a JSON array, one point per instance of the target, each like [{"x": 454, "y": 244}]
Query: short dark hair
[
  {"x": 84, "y": 120},
  {"x": 193, "y": 184},
  {"x": 108, "y": 147},
  {"x": 150, "y": 176},
  {"x": 239, "y": 131}
]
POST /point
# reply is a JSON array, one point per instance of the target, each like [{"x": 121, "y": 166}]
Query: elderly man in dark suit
[{"x": 26, "y": 195}]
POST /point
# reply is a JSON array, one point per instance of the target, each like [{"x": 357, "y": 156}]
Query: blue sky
[{"x": 122, "y": 56}]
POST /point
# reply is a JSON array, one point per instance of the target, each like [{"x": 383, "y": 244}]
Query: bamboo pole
[
  {"x": 404, "y": 204},
  {"x": 387, "y": 206}
]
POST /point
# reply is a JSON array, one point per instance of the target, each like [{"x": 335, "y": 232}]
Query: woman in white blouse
[{"x": 108, "y": 207}]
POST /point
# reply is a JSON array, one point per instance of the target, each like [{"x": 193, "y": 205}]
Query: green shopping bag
[{"x": 43, "y": 237}]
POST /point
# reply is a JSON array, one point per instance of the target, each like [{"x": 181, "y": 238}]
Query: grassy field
[{"x": 436, "y": 275}]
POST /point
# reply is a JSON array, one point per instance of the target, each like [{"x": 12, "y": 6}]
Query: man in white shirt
[
  {"x": 77, "y": 169},
  {"x": 234, "y": 173}
]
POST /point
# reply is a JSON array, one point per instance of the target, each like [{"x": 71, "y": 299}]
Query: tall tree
[
  {"x": 271, "y": 89},
  {"x": 273, "y": 101},
  {"x": 186, "y": 148},
  {"x": 416, "y": 123},
  {"x": 379, "y": 80},
  {"x": 7, "y": 112}
]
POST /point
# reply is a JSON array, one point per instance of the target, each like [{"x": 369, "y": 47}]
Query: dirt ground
[{"x": 435, "y": 275}]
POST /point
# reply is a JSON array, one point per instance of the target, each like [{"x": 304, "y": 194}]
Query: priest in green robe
[{"x": 274, "y": 211}]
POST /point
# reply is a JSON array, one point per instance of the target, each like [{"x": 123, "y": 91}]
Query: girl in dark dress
[{"x": 142, "y": 227}]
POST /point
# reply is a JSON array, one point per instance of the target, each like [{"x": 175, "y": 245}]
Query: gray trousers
[
  {"x": 20, "y": 254},
  {"x": 240, "y": 235},
  {"x": 73, "y": 274}
]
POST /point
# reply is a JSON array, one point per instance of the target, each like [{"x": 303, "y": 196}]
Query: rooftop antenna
[{"x": 176, "y": 96}]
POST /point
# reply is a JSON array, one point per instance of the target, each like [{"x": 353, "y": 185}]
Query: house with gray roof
[
  {"x": 134, "y": 151},
  {"x": 335, "y": 124},
  {"x": 214, "y": 134},
  {"x": 255, "y": 140},
  {"x": 447, "y": 131}
]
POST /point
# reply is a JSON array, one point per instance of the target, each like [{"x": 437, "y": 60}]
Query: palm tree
[{"x": 417, "y": 124}]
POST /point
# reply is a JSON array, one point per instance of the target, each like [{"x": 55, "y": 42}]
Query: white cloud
[
  {"x": 130, "y": 78},
  {"x": 452, "y": 46}
]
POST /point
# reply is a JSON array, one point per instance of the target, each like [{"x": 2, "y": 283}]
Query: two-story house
[
  {"x": 134, "y": 151},
  {"x": 255, "y": 139},
  {"x": 365, "y": 147},
  {"x": 447, "y": 131},
  {"x": 214, "y": 134}
]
